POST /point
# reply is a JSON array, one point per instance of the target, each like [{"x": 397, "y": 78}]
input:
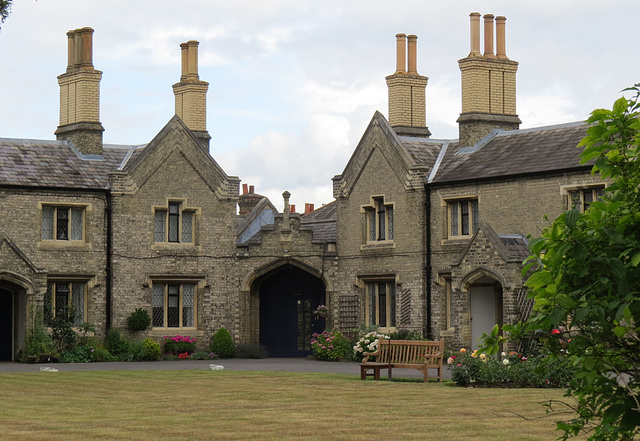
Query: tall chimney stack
[
  {"x": 80, "y": 95},
  {"x": 191, "y": 94},
  {"x": 488, "y": 84},
  {"x": 407, "y": 102}
]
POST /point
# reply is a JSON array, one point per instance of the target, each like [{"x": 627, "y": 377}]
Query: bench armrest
[{"x": 370, "y": 354}]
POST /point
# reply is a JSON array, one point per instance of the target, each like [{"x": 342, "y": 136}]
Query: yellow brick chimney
[
  {"x": 488, "y": 84},
  {"x": 80, "y": 95},
  {"x": 191, "y": 94},
  {"x": 407, "y": 104}
]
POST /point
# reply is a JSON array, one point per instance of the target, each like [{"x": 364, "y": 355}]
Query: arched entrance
[
  {"x": 6, "y": 324},
  {"x": 288, "y": 296},
  {"x": 486, "y": 307}
]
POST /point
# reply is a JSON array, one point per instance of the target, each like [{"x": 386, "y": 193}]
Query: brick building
[{"x": 424, "y": 234}]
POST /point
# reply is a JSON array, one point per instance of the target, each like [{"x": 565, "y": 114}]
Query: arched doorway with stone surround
[
  {"x": 284, "y": 298},
  {"x": 13, "y": 317},
  {"x": 486, "y": 303}
]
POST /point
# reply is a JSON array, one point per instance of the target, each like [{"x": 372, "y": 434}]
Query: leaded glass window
[
  {"x": 62, "y": 223},
  {"x": 173, "y": 305}
]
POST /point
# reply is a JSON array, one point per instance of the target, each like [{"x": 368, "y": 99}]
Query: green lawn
[{"x": 231, "y": 405}]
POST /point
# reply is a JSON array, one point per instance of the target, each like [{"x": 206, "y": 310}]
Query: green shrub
[
  {"x": 179, "y": 344},
  {"x": 406, "y": 335},
  {"x": 330, "y": 346},
  {"x": 251, "y": 351},
  {"x": 150, "y": 350},
  {"x": 204, "y": 356},
  {"x": 117, "y": 345},
  {"x": 38, "y": 340},
  {"x": 510, "y": 370},
  {"x": 222, "y": 344},
  {"x": 138, "y": 320},
  {"x": 79, "y": 354},
  {"x": 100, "y": 353}
]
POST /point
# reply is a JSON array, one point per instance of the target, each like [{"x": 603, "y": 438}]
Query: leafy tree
[
  {"x": 5, "y": 9},
  {"x": 587, "y": 282}
]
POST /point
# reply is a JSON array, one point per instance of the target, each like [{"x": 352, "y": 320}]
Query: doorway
[
  {"x": 6, "y": 325},
  {"x": 288, "y": 297},
  {"x": 486, "y": 308}
]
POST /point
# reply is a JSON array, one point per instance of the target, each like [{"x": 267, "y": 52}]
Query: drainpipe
[
  {"x": 109, "y": 274},
  {"x": 428, "y": 271}
]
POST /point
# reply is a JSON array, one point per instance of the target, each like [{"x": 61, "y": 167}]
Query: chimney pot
[
  {"x": 488, "y": 36},
  {"x": 413, "y": 63},
  {"x": 475, "y": 34},
  {"x": 292, "y": 208},
  {"x": 245, "y": 188},
  {"x": 251, "y": 189},
  {"x": 308, "y": 208},
  {"x": 501, "y": 47},
  {"x": 401, "y": 53}
]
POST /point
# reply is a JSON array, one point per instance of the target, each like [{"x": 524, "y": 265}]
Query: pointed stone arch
[{"x": 481, "y": 271}]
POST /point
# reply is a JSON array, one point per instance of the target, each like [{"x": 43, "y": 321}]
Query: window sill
[
  {"x": 79, "y": 245},
  {"x": 462, "y": 240},
  {"x": 383, "y": 244},
  {"x": 171, "y": 246},
  {"x": 451, "y": 332}
]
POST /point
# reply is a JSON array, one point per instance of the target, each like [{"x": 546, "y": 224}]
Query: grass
[{"x": 231, "y": 405}]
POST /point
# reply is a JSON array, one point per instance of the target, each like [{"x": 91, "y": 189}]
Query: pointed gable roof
[
  {"x": 511, "y": 248},
  {"x": 176, "y": 137},
  {"x": 410, "y": 158}
]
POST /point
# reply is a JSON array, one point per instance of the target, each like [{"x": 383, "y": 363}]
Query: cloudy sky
[{"x": 293, "y": 84}]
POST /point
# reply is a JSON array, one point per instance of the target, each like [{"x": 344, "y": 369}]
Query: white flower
[
  {"x": 505, "y": 361},
  {"x": 367, "y": 341},
  {"x": 372, "y": 347},
  {"x": 504, "y": 354}
]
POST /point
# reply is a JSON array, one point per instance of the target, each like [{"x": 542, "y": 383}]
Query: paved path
[{"x": 265, "y": 364}]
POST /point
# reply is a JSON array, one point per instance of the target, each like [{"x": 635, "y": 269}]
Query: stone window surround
[
  {"x": 364, "y": 281},
  {"x": 389, "y": 222},
  {"x": 183, "y": 207},
  {"x": 446, "y": 203},
  {"x": 445, "y": 281},
  {"x": 198, "y": 287},
  {"x": 65, "y": 243},
  {"x": 89, "y": 281},
  {"x": 566, "y": 190}
]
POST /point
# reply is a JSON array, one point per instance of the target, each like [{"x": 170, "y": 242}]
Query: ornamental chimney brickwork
[
  {"x": 488, "y": 84},
  {"x": 80, "y": 95},
  {"x": 191, "y": 94},
  {"x": 407, "y": 104}
]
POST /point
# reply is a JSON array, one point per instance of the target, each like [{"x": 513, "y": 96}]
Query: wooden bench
[{"x": 405, "y": 354}]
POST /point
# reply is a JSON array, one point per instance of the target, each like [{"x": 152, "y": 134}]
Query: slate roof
[
  {"x": 424, "y": 151},
  {"x": 322, "y": 223},
  {"x": 57, "y": 164},
  {"x": 517, "y": 152},
  {"x": 516, "y": 245}
]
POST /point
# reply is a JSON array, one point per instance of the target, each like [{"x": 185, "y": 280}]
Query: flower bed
[
  {"x": 509, "y": 370},
  {"x": 179, "y": 344}
]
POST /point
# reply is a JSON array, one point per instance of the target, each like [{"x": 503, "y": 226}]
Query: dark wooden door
[{"x": 287, "y": 301}]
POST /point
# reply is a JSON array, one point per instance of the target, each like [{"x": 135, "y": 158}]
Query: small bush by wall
[{"x": 222, "y": 344}]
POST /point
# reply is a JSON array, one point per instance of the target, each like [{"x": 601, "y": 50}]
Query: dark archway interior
[
  {"x": 6, "y": 325},
  {"x": 288, "y": 297}
]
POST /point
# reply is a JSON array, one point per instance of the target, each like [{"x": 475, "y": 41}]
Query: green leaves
[{"x": 586, "y": 281}]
